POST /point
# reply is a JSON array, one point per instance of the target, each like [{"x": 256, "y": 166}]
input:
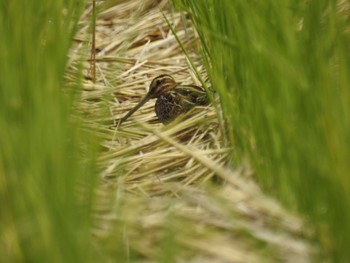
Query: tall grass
[
  {"x": 42, "y": 219},
  {"x": 281, "y": 70}
]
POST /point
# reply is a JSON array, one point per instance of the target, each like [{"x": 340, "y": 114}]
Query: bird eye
[{"x": 158, "y": 81}]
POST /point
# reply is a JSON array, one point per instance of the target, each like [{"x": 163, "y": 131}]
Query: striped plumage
[{"x": 173, "y": 99}]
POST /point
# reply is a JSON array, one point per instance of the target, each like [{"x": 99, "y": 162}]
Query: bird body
[{"x": 173, "y": 99}]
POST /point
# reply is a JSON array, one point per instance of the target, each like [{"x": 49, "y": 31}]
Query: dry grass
[{"x": 153, "y": 176}]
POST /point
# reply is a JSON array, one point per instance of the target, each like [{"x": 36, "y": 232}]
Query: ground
[{"x": 174, "y": 180}]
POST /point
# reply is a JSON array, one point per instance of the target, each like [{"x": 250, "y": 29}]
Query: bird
[{"x": 173, "y": 98}]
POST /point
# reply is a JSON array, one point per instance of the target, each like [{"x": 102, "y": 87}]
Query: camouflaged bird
[{"x": 173, "y": 98}]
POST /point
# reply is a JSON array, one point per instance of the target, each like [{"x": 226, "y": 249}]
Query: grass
[
  {"x": 280, "y": 69},
  {"x": 41, "y": 218},
  {"x": 73, "y": 187},
  {"x": 166, "y": 193}
]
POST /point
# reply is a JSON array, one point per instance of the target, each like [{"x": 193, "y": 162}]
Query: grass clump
[
  {"x": 41, "y": 216},
  {"x": 281, "y": 72}
]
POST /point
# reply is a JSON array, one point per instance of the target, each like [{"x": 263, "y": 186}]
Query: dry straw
[{"x": 155, "y": 176}]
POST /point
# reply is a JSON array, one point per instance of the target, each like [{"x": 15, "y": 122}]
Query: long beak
[{"x": 139, "y": 105}]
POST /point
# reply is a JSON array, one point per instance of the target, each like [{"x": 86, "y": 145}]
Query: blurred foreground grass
[
  {"x": 41, "y": 218},
  {"x": 282, "y": 72}
]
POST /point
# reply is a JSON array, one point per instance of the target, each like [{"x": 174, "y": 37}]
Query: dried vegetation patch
[{"x": 168, "y": 184}]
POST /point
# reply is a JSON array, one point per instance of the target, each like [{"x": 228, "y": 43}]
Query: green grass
[
  {"x": 42, "y": 219},
  {"x": 284, "y": 90}
]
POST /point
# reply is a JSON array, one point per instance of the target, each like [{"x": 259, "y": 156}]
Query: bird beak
[{"x": 139, "y": 105}]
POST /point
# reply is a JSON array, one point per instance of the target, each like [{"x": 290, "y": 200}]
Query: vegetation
[
  {"x": 40, "y": 219},
  {"x": 76, "y": 188},
  {"x": 281, "y": 69}
]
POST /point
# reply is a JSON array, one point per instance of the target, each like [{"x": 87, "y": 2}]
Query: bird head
[{"x": 161, "y": 84}]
